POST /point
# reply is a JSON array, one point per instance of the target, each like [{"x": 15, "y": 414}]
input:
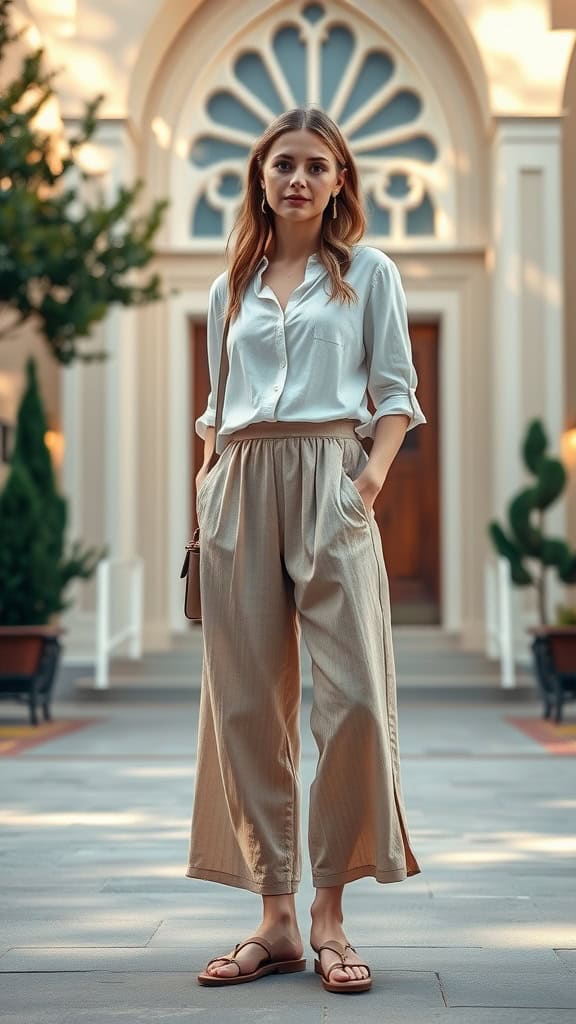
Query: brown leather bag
[{"x": 191, "y": 567}]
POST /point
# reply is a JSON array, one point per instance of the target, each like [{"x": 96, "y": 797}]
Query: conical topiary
[
  {"x": 34, "y": 570},
  {"x": 28, "y": 578},
  {"x": 526, "y": 538}
]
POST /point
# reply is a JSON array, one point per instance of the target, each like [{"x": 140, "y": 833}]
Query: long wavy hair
[{"x": 254, "y": 228}]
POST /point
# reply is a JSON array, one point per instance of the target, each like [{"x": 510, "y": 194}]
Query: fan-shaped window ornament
[{"x": 315, "y": 53}]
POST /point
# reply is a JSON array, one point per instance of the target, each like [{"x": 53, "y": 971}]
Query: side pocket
[{"x": 353, "y": 462}]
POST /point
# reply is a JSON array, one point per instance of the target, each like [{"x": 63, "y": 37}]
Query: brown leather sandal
[
  {"x": 352, "y": 985},
  {"x": 271, "y": 967}
]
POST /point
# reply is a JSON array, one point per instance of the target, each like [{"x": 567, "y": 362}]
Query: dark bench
[
  {"x": 29, "y": 657},
  {"x": 554, "y": 650}
]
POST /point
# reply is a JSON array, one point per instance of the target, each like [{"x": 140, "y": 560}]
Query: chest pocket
[{"x": 327, "y": 334}]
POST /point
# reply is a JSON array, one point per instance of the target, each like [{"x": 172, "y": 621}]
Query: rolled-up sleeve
[
  {"x": 392, "y": 378},
  {"x": 214, "y": 331}
]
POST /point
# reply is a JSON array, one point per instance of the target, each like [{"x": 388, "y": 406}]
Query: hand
[{"x": 368, "y": 485}]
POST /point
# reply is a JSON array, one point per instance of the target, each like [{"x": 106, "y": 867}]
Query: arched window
[{"x": 326, "y": 55}]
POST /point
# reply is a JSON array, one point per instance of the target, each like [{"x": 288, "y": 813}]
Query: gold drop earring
[
  {"x": 334, "y": 210},
  {"x": 262, "y": 206}
]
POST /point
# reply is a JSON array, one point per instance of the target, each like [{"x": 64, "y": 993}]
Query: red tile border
[
  {"x": 557, "y": 738},
  {"x": 16, "y": 738}
]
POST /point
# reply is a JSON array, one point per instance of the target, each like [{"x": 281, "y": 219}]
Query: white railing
[
  {"x": 506, "y": 621},
  {"x": 119, "y": 609}
]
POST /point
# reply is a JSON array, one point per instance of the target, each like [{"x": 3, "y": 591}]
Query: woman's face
[{"x": 300, "y": 163}]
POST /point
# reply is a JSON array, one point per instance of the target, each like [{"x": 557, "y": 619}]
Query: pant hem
[
  {"x": 363, "y": 871},
  {"x": 272, "y": 888}
]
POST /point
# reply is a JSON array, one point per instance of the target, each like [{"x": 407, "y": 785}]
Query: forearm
[{"x": 388, "y": 437}]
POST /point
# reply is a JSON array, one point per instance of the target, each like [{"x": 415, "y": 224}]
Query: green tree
[
  {"x": 34, "y": 568},
  {"x": 62, "y": 261},
  {"x": 525, "y": 539}
]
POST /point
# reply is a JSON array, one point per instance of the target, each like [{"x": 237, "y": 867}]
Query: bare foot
[
  {"x": 323, "y": 931},
  {"x": 287, "y": 943}
]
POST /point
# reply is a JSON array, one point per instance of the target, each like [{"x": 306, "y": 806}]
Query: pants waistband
[{"x": 295, "y": 428}]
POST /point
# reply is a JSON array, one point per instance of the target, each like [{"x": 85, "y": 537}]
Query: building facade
[{"x": 459, "y": 115}]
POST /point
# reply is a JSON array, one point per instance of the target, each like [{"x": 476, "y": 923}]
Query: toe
[
  {"x": 219, "y": 967},
  {"x": 338, "y": 974}
]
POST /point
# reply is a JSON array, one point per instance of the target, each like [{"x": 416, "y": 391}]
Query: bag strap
[{"x": 222, "y": 377}]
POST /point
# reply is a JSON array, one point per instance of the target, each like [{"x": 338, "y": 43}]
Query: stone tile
[
  {"x": 94, "y": 929},
  {"x": 281, "y": 994},
  {"x": 520, "y": 978},
  {"x": 172, "y": 1015}
]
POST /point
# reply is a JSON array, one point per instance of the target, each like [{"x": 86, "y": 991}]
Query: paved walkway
[{"x": 99, "y": 923}]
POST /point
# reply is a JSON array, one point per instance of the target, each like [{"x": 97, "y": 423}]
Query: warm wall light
[
  {"x": 54, "y": 441},
  {"x": 568, "y": 446}
]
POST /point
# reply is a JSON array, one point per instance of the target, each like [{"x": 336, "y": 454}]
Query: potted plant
[
  {"x": 532, "y": 557},
  {"x": 35, "y": 570}
]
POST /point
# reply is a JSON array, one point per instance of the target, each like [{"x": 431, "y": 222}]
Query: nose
[{"x": 298, "y": 177}]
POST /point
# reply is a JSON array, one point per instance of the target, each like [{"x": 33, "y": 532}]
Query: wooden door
[{"x": 407, "y": 508}]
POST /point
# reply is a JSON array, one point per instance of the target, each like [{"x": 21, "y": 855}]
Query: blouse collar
[{"x": 311, "y": 264}]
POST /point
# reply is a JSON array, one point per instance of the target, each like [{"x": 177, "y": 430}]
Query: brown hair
[{"x": 253, "y": 228}]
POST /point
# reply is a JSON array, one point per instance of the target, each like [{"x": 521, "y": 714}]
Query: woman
[{"x": 290, "y": 543}]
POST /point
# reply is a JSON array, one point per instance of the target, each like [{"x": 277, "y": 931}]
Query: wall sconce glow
[
  {"x": 54, "y": 441},
  {"x": 93, "y": 160},
  {"x": 568, "y": 446}
]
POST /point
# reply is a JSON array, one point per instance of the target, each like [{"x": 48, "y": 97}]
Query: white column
[
  {"x": 527, "y": 296},
  {"x": 99, "y": 421}
]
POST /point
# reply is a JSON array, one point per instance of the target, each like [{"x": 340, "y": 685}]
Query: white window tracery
[{"x": 327, "y": 55}]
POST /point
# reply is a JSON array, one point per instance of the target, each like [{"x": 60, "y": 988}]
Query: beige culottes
[{"x": 287, "y": 545}]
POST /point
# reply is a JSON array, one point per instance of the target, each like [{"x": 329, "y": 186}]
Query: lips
[{"x": 299, "y": 199}]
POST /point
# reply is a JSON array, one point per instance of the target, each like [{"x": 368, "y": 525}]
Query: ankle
[
  {"x": 326, "y": 915},
  {"x": 279, "y": 911}
]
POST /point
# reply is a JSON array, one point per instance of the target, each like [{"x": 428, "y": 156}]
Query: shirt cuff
[
  {"x": 207, "y": 419},
  {"x": 402, "y": 403}
]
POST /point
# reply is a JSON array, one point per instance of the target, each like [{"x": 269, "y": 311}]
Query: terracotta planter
[
  {"x": 554, "y": 650},
  {"x": 29, "y": 657}
]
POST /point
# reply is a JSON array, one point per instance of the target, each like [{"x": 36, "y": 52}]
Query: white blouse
[{"x": 316, "y": 360}]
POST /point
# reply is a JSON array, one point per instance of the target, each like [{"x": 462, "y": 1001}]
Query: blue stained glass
[
  {"x": 206, "y": 221},
  {"x": 291, "y": 56},
  {"x": 335, "y": 55},
  {"x": 207, "y": 151},
  {"x": 251, "y": 71},
  {"x": 398, "y": 186},
  {"x": 403, "y": 108},
  {"x": 378, "y": 219},
  {"x": 230, "y": 185},
  {"x": 421, "y": 220},
  {"x": 419, "y": 148},
  {"x": 227, "y": 110},
  {"x": 313, "y": 13},
  {"x": 376, "y": 70}
]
